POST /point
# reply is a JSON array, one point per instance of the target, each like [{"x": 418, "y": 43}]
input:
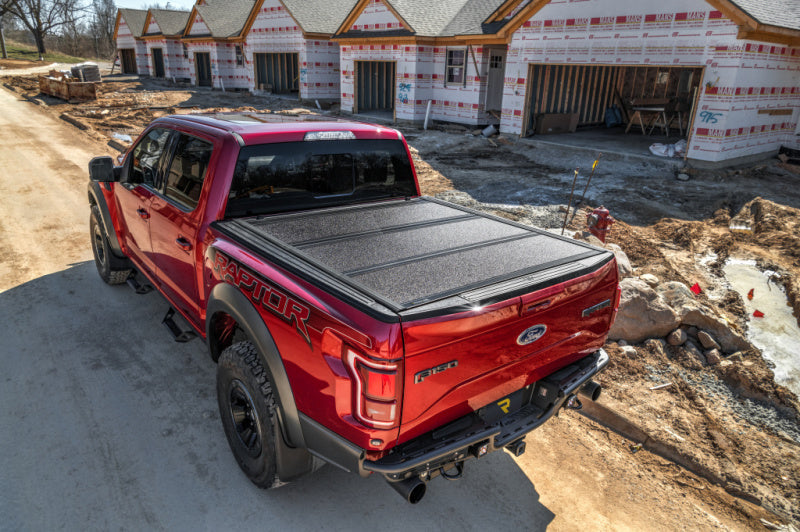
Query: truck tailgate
[{"x": 482, "y": 358}]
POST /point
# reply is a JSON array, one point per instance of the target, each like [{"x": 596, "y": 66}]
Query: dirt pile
[{"x": 729, "y": 419}]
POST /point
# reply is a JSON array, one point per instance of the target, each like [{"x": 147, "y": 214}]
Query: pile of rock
[{"x": 651, "y": 309}]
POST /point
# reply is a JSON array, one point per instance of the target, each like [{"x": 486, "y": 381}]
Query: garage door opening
[
  {"x": 277, "y": 73},
  {"x": 586, "y": 92},
  {"x": 375, "y": 81}
]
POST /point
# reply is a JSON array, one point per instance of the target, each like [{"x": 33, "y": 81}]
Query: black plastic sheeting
[{"x": 417, "y": 251}]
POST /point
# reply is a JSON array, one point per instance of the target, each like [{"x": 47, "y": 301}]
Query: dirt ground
[{"x": 741, "y": 467}]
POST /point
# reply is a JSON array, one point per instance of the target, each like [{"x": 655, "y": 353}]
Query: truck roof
[{"x": 261, "y": 128}]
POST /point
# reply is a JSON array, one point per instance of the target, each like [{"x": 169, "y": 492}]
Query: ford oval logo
[{"x": 531, "y": 334}]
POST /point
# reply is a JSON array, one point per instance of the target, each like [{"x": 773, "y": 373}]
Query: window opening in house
[
  {"x": 185, "y": 51},
  {"x": 239, "y": 56},
  {"x": 456, "y": 71}
]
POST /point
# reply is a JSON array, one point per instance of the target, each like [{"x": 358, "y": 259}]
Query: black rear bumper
[{"x": 472, "y": 437}]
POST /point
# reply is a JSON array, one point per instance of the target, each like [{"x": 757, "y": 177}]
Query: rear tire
[
  {"x": 247, "y": 409},
  {"x": 112, "y": 270}
]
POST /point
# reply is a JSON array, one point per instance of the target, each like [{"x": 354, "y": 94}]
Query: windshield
[{"x": 292, "y": 176}]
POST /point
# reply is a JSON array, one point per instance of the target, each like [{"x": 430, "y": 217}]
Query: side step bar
[
  {"x": 177, "y": 334},
  {"x": 137, "y": 286}
]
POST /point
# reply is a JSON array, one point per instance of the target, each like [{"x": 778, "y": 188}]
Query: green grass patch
[{"x": 26, "y": 52}]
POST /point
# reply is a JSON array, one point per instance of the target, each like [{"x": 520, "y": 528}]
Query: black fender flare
[
  {"x": 98, "y": 199},
  {"x": 228, "y": 299}
]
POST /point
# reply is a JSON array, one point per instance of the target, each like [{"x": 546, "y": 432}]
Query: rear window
[{"x": 291, "y": 176}]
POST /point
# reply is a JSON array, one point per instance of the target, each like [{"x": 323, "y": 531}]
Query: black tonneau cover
[{"x": 419, "y": 256}]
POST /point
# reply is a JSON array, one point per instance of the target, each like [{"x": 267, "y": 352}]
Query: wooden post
[
  {"x": 689, "y": 131},
  {"x": 477, "y": 72}
]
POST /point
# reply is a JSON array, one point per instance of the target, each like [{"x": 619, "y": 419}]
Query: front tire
[
  {"x": 111, "y": 269},
  {"x": 247, "y": 409}
]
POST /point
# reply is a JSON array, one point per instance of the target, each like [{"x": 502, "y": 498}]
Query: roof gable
[
  {"x": 152, "y": 25},
  {"x": 133, "y": 18},
  {"x": 196, "y": 26},
  {"x": 786, "y": 30},
  {"x": 271, "y": 15},
  {"x": 424, "y": 18},
  {"x": 376, "y": 16}
]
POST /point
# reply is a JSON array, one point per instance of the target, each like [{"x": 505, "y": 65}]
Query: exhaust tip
[
  {"x": 411, "y": 489},
  {"x": 591, "y": 390},
  {"x": 417, "y": 493}
]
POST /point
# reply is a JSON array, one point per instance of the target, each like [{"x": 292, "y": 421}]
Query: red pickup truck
[{"x": 353, "y": 321}]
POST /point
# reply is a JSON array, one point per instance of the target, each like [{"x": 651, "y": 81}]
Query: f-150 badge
[{"x": 531, "y": 334}]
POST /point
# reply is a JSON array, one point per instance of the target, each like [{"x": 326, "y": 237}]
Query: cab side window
[
  {"x": 184, "y": 180},
  {"x": 146, "y": 155}
]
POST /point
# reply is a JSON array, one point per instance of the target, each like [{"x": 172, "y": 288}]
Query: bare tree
[
  {"x": 4, "y": 6},
  {"x": 43, "y": 17},
  {"x": 102, "y": 26}
]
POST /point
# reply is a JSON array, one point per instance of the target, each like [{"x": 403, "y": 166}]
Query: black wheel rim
[
  {"x": 243, "y": 414},
  {"x": 99, "y": 249}
]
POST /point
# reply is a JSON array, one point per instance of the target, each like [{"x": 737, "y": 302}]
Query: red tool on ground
[
  {"x": 696, "y": 289},
  {"x": 758, "y": 314},
  {"x": 599, "y": 222},
  {"x": 750, "y": 294}
]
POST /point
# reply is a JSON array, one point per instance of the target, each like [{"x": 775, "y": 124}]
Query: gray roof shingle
[
  {"x": 780, "y": 13},
  {"x": 226, "y": 18},
  {"x": 470, "y": 19},
  {"x": 134, "y": 18},
  {"x": 171, "y": 22},
  {"x": 319, "y": 16}
]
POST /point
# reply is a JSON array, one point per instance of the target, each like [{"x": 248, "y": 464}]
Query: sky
[{"x": 184, "y": 5}]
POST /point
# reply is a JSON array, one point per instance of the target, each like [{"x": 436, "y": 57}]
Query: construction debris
[
  {"x": 86, "y": 72},
  {"x": 66, "y": 87}
]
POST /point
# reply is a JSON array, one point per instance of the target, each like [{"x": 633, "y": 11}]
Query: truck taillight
[{"x": 377, "y": 390}]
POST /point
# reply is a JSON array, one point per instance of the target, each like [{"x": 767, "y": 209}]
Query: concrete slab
[{"x": 612, "y": 141}]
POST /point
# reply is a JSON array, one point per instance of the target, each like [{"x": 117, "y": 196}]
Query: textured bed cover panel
[{"x": 413, "y": 252}]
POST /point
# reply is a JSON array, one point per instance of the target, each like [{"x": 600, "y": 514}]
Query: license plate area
[{"x": 493, "y": 412}]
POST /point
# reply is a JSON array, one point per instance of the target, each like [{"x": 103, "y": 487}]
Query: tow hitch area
[
  {"x": 516, "y": 448},
  {"x": 444, "y": 451}
]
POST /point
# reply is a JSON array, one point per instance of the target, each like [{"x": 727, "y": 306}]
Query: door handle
[
  {"x": 184, "y": 244},
  {"x": 143, "y": 214}
]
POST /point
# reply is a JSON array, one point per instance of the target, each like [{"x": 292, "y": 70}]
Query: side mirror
[{"x": 101, "y": 169}]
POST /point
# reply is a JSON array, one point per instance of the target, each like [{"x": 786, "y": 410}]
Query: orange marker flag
[
  {"x": 750, "y": 294},
  {"x": 696, "y": 288}
]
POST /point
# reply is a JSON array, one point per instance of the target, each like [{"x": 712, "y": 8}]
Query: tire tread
[{"x": 244, "y": 356}]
